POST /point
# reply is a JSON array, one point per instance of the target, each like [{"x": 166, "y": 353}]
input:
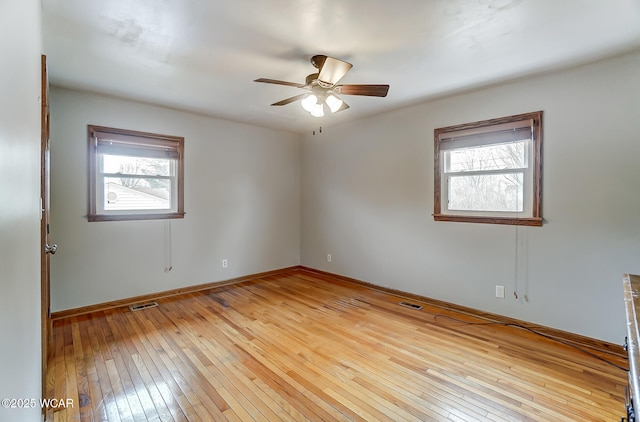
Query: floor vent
[
  {"x": 410, "y": 305},
  {"x": 143, "y": 306}
]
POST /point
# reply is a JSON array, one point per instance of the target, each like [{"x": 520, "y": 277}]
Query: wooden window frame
[
  {"x": 143, "y": 140},
  {"x": 535, "y": 164}
]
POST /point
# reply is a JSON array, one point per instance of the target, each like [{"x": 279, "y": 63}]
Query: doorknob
[{"x": 50, "y": 249}]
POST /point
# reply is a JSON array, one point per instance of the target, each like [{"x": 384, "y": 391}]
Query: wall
[
  {"x": 20, "y": 363},
  {"x": 368, "y": 198},
  {"x": 242, "y": 196}
]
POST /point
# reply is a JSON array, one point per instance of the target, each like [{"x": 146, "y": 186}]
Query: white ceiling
[{"x": 203, "y": 55}]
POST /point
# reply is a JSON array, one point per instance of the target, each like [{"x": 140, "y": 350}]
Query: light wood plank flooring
[{"x": 303, "y": 346}]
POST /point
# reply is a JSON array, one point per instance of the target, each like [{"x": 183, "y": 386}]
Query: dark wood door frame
[{"x": 44, "y": 225}]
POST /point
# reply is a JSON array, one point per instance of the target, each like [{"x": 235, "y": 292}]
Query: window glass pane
[
  {"x": 490, "y": 192},
  {"x": 511, "y": 155},
  {"x": 131, "y": 193},
  {"x": 136, "y": 165}
]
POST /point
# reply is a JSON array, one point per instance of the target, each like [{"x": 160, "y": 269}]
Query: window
[
  {"x": 490, "y": 171},
  {"x": 134, "y": 175}
]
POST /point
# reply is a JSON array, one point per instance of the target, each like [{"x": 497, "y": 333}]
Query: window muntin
[
  {"x": 134, "y": 175},
  {"x": 490, "y": 171}
]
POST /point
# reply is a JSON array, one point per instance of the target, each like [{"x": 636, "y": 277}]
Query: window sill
[
  {"x": 532, "y": 221},
  {"x": 127, "y": 217}
]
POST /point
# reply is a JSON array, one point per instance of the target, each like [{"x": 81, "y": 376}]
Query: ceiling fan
[{"x": 324, "y": 88}]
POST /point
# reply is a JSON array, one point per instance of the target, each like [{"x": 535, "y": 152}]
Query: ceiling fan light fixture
[
  {"x": 309, "y": 103},
  {"x": 334, "y": 103},
  {"x": 317, "y": 111}
]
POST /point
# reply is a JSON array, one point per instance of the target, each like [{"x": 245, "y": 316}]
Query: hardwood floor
[{"x": 303, "y": 346}]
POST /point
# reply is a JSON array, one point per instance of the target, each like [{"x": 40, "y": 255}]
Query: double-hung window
[
  {"x": 134, "y": 175},
  {"x": 490, "y": 171}
]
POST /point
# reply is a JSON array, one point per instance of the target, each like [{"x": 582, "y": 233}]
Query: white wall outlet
[
  {"x": 328, "y": 257},
  {"x": 500, "y": 292},
  {"x": 225, "y": 264}
]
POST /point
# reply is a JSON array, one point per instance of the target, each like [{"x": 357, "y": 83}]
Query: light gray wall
[
  {"x": 367, "y": 199},
  {"x": 20, "y": 364},
  {"x": 242, "y": 199}
]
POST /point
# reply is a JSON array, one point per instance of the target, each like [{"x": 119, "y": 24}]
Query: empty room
[{"x": 330, "y": 210}]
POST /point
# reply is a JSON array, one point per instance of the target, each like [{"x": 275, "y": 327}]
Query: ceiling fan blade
[
  {"x": 289, "y": 100},
  {"x": 277, "y": 82},
  {"x": 367, "y": 90},
  {"x": 333, "y": 70}
]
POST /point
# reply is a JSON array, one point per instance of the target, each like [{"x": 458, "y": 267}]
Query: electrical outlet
[
  {"x": 328, "y": 257},
  {"x": 500, "y": 292},
  {"x": 225, "y": 264}
]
